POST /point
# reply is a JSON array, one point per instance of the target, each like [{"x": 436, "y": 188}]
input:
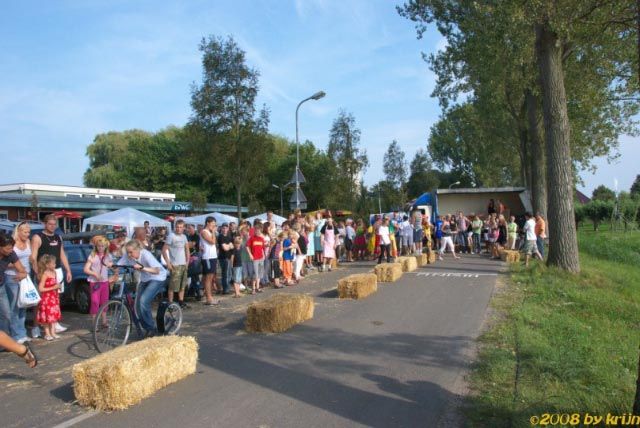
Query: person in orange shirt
[{"x": 541, "y": 233}]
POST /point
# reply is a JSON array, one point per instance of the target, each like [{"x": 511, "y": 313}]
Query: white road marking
[
  {"x": 453, "y": 274},
  {"x": 77, "y": 419}
]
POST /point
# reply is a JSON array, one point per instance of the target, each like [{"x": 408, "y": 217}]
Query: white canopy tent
[
  {"x": 128, "y": 218},
  {"x": 278, "y": 220},
  {"x": 199, "y": 219}
]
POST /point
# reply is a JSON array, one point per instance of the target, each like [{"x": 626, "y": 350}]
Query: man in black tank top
[{"x": 48, "y": 242}]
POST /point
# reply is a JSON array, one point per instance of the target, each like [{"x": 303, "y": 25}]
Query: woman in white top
[
  {"x": 17, "y": 315},
  {"x": 385, "y": 241},
  {"x": 209, "y": 254}
]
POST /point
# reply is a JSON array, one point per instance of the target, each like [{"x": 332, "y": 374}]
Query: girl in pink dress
[
  {"x": 328, "y": 233},
  {"x": 49, "y": 306}
]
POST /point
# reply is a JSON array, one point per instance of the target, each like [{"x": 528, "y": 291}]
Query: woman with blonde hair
[
  {"x": 17, "y": 316},
  {"x": 97, "y": 269}
]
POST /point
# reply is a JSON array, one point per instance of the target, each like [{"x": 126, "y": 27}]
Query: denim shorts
[
  {"x": 237, "y": 275},
  {"x": 209, "y": 266}
]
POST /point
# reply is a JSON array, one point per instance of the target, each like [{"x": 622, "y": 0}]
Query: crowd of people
[{"x": 235, "y": 259}]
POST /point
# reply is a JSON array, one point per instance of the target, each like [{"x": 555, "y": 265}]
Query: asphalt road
[{"x": 396, "y": 358}]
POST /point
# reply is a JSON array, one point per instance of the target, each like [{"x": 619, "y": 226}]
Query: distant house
[{"x": 582, "y": 198}]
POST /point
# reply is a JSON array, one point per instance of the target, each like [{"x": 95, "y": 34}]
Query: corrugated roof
[
  {"x": 481, "y": 190},
  {"x": 75, "y": 202}
]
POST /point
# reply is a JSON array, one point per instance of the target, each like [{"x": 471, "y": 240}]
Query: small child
[
  {"x": 287, "y": 259},
  {"x": 236, "y": 263},
  {"x": 276, "y": 260},
  {"x": 49, "y": 306}
]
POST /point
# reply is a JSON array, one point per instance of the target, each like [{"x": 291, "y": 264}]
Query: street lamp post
[
  {"x": 281, "y": 188},
  {"x": 316, "y": 97}
]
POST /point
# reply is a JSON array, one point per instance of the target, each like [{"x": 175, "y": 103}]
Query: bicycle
[{"x": 112, "y": 326}]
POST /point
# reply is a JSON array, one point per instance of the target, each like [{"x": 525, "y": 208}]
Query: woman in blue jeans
[
  {"x": 152, "y": 281},
  {"x": 9, "y": 296},
  {"x": 22, "y": 248}
]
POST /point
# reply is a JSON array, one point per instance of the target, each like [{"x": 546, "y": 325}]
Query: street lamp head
[
  {"x": 276, "y": 186},
  {"x": 317, "y": 95},
  {"x": 456, "y": 183}
]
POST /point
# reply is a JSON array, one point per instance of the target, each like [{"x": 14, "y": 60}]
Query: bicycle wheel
[
  {"x": 112, "y": 326},
  {"x": 169, "y": 318}
]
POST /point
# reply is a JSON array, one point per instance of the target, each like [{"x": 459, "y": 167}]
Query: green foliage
[
  {"x": 561, "y": 343},
  {"x": 603, "y": 193},
  {"x": 422, "y": 177},
  {"x": 460, "y": 141},
  {"x": 395, "y": 171},
  {"x": 224, "y": 117},
  {"x": 350, "y": 160},
  {"x": 635, "y": 187},
  {"x": 598, "y": 211}
]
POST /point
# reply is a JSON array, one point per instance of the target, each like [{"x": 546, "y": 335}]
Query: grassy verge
[{"x": 559, "y": 343}]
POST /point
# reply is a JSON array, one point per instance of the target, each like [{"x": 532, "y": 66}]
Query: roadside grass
[{"x": 559, "y": 343}]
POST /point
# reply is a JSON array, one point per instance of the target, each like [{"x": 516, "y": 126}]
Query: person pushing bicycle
[{"x": 152, "y": 281}]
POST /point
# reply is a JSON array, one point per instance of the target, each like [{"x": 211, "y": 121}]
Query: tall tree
[
  {"x": 603, "y": 193},
  {"x": 395, "y": 171},
  {"x": 635, "y": 188},
  {"x": 350, "y": 160},
  {"x": 422, "y": 178},
  {"x": 595, "y": 62},
  {"x": 234, "y": 141}
]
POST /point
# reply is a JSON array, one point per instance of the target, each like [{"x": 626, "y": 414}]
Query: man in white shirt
[
  {"x": 175, "y": 252},
  {"x": 530, "y": 246}
]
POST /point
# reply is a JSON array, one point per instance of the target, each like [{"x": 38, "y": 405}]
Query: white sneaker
[
  {"x": 60, "y": 328},
  {"x": 23, "y": 340}
]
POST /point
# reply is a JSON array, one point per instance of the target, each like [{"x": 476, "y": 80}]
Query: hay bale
[
  {"x": 357, "y": 286},
  {"x": 388, "y": 272},
  {"x": 409, "y": 264},
  {"x": 334, "y": 263},
  {"x": 422, "y": 259},
  {"x": 126, "y": 375},
  {"x": 279, "y": 313},
  {"x": 510, "y": 256},
  {"x": 432, "y": 257}
]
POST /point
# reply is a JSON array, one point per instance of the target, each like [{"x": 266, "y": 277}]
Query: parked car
[
  {"x": 7, "y": 227},
  {"x": 77, "y": 292}
]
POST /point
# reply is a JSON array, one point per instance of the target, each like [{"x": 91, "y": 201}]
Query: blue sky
[{"x": 72, "y": 69}]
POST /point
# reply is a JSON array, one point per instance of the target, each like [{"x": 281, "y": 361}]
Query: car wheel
[{"x": 83, "y": 297}]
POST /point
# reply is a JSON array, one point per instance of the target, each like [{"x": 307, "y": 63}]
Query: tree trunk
[
  {"x": 563, "y": 241},
  {"x": 525, "y": 174},
  {"x": 636, "y": 401},
  {"x": 538, "y": 176}
]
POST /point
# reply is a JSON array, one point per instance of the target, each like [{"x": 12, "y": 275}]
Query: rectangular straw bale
[
  {"x": 422, "y": 259},
  {"x": 334, "y": 263},
  {"x": 388, "y": 272},
  {"x": 126, "y": 375},
  {"x": 432, "y": 257},
  {"x": 510, "y": 256},
  {"x": 357, "y": 286},
  {"x": 279, "y": 313},
  {"x": 409, "y": 264}
]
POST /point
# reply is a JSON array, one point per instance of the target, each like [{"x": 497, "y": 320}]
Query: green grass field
[{"x": 558, "y": 343}]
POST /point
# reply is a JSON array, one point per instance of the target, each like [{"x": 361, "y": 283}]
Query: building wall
[{"x": 476, "y": 203}]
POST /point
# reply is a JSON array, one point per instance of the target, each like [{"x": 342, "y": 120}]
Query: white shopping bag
[
  {"x": 60, "y": 279},
  {"x": 28, "y": 294}
]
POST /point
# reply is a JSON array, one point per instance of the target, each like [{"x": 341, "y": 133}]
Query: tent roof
[
  {"x": 200, "y": 219},
  {"x": 278, "y": 220},
  {"x": 126, "y": 217}
]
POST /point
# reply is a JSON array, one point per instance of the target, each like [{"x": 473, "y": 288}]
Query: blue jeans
[
  {"x": 462, "y": 240},
  {"x": 540, "y": 245},
  {"x": 147, "y": 292},
  {"x": 17, "y": 315},
  {"x": 476, "y": 243},
  {"x": 225, "y": 272}
]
